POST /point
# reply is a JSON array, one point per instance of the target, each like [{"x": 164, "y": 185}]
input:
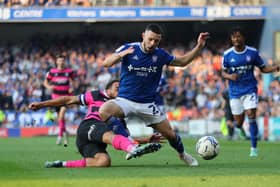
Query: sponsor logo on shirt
[{"x": 142, "y": 71}]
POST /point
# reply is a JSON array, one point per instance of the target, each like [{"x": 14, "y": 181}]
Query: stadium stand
[
  {"x": 193, "y": 94},
  {"x": 128, "y": 3}
]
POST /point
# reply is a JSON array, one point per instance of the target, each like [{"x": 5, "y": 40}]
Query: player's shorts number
[{"x": 154, "y": 108}]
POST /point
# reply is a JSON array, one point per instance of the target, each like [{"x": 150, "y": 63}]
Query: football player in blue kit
[
  {"x": 141, "y": 70},
  {"x": 238, "y": 67}
]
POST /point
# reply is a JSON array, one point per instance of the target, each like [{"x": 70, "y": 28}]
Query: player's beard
[
  {"x": 147, "y": 49},
  {"x": 239, "y": 46}
]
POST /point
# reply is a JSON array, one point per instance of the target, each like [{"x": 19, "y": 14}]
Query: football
[{"x": 207, "y": 147}]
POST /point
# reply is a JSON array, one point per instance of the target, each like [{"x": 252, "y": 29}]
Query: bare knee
[
  {"x": 165, "y": 129},
  {"x": 109, "y": 109},
  {"x": 251, "y": 113},
  {"x": 100, "y": 160},
  {"x": 104, "y": 113}
]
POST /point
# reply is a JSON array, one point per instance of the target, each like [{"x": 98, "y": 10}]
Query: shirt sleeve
[
  {"x": 166, "y": 57},
  {"x": 86, "y": 98},
  {"x": 259, "y": 61},
  {"x": 224, "y": 63},
  {"x": 73, "y": 74},
  {"x": 48, "y": 76},
  {"x": 121, "y": 48}
]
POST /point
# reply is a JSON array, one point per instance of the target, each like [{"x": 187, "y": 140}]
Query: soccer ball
[{"x": 207, "y": 147}]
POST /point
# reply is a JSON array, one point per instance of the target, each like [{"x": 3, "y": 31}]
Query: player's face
[
  {"x": 60, "y": 62},
  {"x": 237, "y": 40},
  {"x": 150, "y": 41},
  {"x": 114, "y": 90}
]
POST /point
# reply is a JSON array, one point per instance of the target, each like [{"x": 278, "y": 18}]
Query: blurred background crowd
[{"x": 193, "y": 92}]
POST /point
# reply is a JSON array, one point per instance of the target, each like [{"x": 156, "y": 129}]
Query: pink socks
[
  {"x": 122, "y": 143},
  {"x": 61, "y": 126},
  {"x": 75, "y": 163}
]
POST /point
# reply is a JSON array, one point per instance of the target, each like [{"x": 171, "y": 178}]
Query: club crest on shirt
[
  {"x": 248, "y": 58},
  {"x": 154, "y": 58}
]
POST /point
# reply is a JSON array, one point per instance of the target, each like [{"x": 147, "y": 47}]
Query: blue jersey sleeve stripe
[{"x": 228, "y": 51}]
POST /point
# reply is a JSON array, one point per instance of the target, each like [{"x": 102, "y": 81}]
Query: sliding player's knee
[
  {"x": 100, "y": 160},
  {"x": 103, "y": 114},
  {"x": 103, "y": 162}
]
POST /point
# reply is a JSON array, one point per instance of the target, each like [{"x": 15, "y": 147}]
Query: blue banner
[{"x": 136, "y": 13}]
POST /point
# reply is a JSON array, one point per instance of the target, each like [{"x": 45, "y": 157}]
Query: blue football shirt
[
  {"x": 242, "y": 63},
  {"x": 162, "y": 87},
  {"x": 141, "y": 73}
]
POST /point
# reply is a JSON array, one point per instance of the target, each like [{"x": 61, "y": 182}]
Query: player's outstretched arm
[
  {"x": 188, "y": 57},
  {"x": 270, "y": 69},
  {"x": 64, "y": 100},
  {"x": 116, "y": 57}
]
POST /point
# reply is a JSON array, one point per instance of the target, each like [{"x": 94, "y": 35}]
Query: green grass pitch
[{"x": 22, "y": 160}]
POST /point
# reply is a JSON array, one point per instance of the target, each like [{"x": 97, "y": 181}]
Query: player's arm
[
  {"x": 230, "y": 76},
  {"x": 61, "y": 101},
  {"x": 71, "y": 85},
  {"x": 48, "y": 85},
  {"x": 72, "y": 82},
  {"x": 270, "y": 68},
  {"x": 188, "y": 57},
  {"x": 116, "y": 57}
]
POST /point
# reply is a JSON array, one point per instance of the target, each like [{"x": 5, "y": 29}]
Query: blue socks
[
  {"x": 177, "y": 144},
  {"x": 117, "y": 126},
  {"x": 253, "y": 132}
]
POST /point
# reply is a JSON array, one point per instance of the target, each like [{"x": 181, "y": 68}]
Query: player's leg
[
  {"x": 109, "y": 112},
  {"x": 99, "y": 132},
  {"x": 229, "y": 122},
  {"x": 120, "y": 107},
  {"x": 230, "y": 127},
  {"x": 120, "y": 142},
  {"x": 253, "y": 127},
  {"x": 109, "y": 109},
  {"x": 61, "y": 124},
  {"x": 237, "y": 110},
  {"x": 99, "y": 159},
  {"x": 238, "y": 122},
  {"x": 175, "y": 141},
  {"x": 250, "y": 102}
]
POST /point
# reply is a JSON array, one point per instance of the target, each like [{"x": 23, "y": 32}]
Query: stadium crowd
[
  {"x": 194, "y": 92},
  {"x": 90, "y": 3}
]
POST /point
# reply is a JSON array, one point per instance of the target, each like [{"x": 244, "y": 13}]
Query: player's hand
[
  {"x": 156, "y": 138},
  {"x": 201, "y": 41},
  {"x": 34, "y": 106},
  {"x": 234, "y": 76}
]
